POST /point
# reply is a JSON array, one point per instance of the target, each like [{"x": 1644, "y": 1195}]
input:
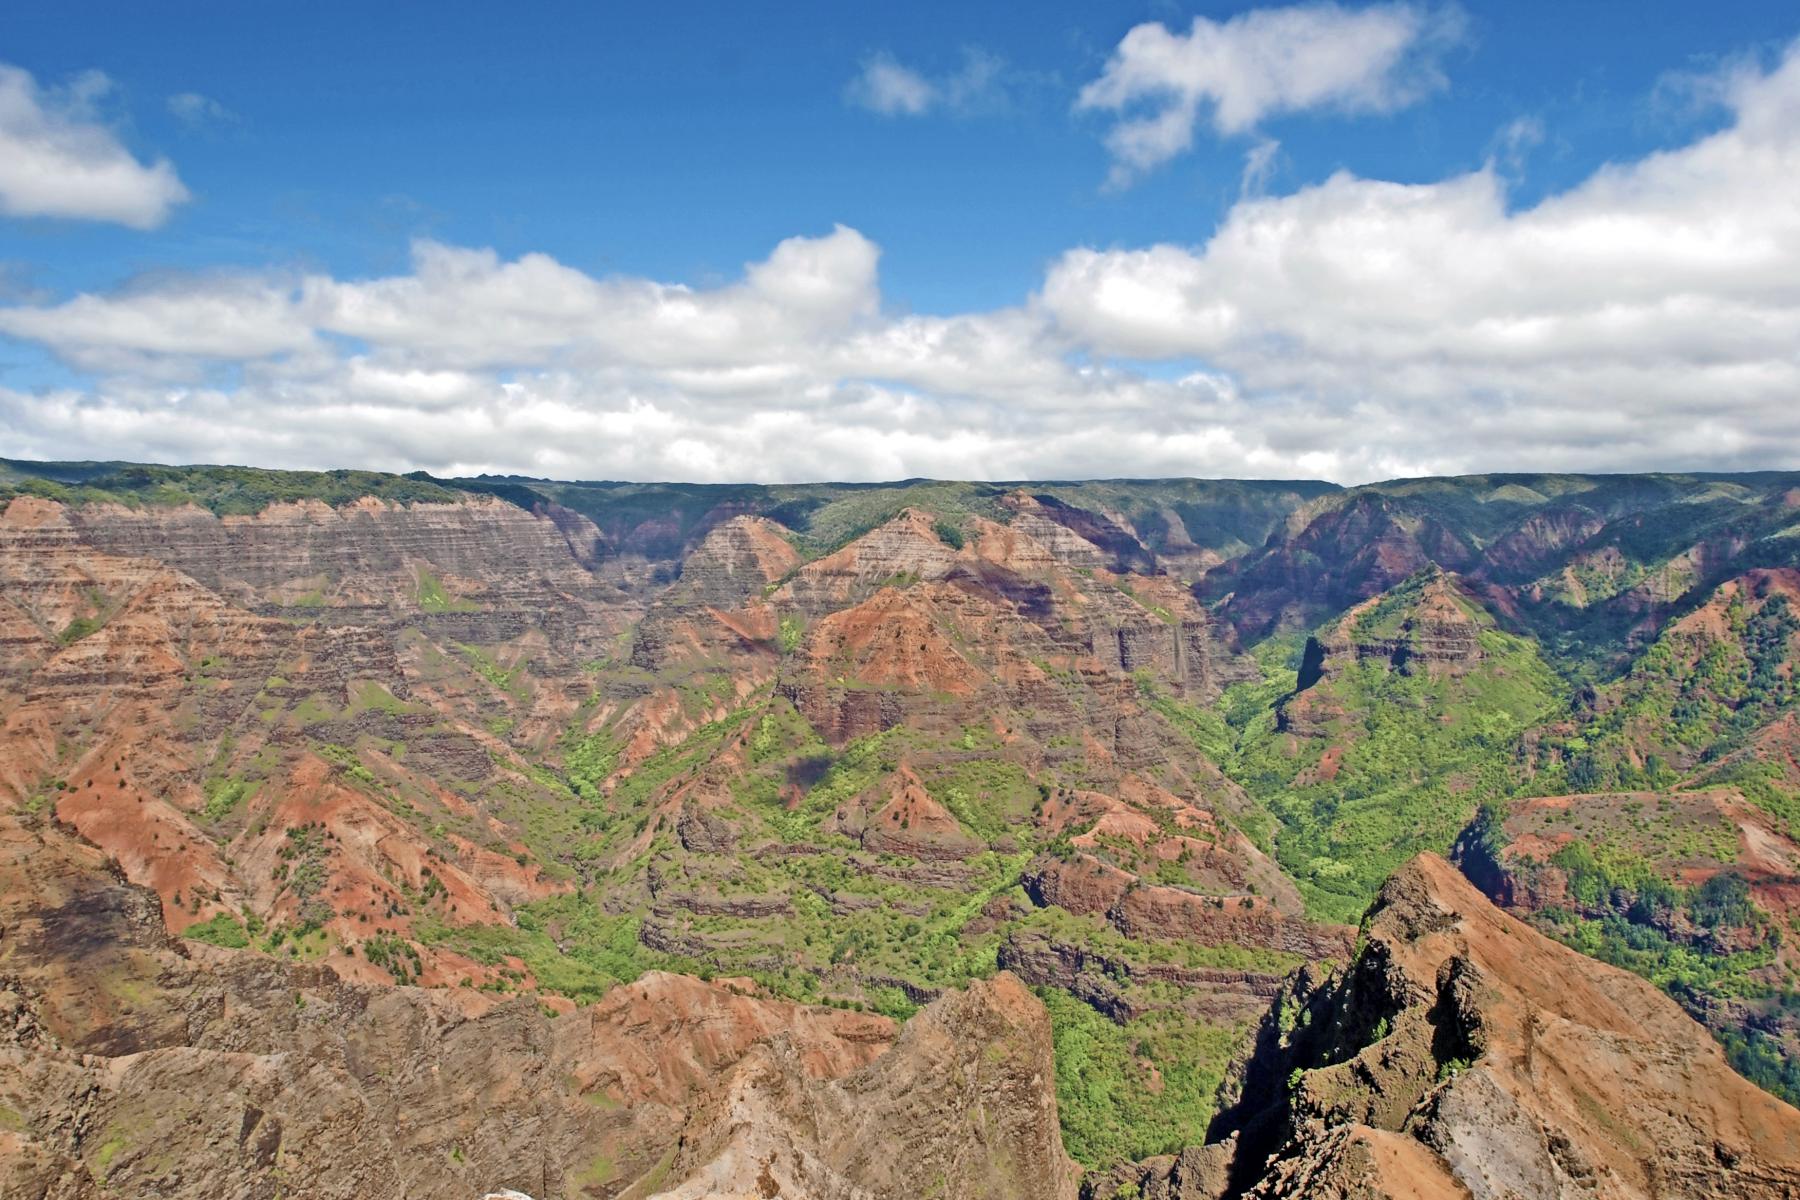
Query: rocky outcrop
[
  {"x": 703, "y": 831},
  {"x": 1188, "y": 652},
  {"x": 736, "y": 562},
  {"x": 429, "y": 742},
  {"x": 1682, "y": 838},
  {"x": 1140, "y": 910},
  {"x": 188, "y": 727},
  {"x": 1103, "y": 981},
  {"x": 1428, "y": 625},
  {"x": 291, "y": 544},
  {"x": 1540, "y": 540},
  {"x": 1079, "y": 537},
  {"x": 1464, "y": 1054},
  {"x": 962, "y": 1107},
  {"x": 130, "y": 1067},
  {"x": 902, "y": 819},
  {"x": 1339, "y": 550},
  {"x": 908, "y": 547}
]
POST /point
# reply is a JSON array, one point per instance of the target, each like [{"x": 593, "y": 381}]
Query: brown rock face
[
  {"x": 688, "y": 1087},
  {"x": 736, "y": 560},
  {"x": 1076, "y": 537},
  {"x": 963, "y": 1106},
  {"x": 906, "y": 547},
  {"x": 1136, "y": 909},
  {"x": 1464, "y": 1054},
  {"x": 231, "y": 728},
  {"x": 1340, "y": 550},
  {"x": 1222, "y": 995},
  {"x": 1425, "y": 626},
  {"x": 903, "y": 819},
  {"x": 287, "y": 545},
  {"x": 129, "y": 1068},
  {"x": 515, "y": 754}
]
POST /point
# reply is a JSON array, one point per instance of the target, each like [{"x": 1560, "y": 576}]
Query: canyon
[{"x": 387, "y": 835}]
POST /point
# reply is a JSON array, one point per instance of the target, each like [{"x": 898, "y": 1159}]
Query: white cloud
[
  {"x": 58, "y": 160},
  {"x": 886, "y": 86},
  {"x": 201, "y": 318},
  {"x": 198, "y": 112},
  {"x": 1259, "y": 168},
  {"x": 1656, "y": 302},
  {"x": 1647, "y": 318},
  {"x": 1515, "y": 141},
  {"x": 468, "y": 308},
  {"x": 1260, "y": 63}
]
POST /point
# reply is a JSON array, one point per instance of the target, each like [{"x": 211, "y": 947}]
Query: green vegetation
[
  {"x": 1412, "y": 755},
  {"x": 1629, "y": 913},
  {"x": 221, "y": 490},
  {"x": 433, "y": 598},
  {"x": 987, "y": 796},
  {"x": 395, "y": 955},
  {"x": 223, "y": 796},
  {"x": 512, "y": 680},
  {"x": 77, "y": 629},
  {"x": 1125, "y": 1092},
  {"x": 1093, "y": 933},
  {"x": 790, "y": 632},
  {"x": 598, "y": 951},
  {"x": 736, "y": 849},
  {"x": 1765, "y": 784},
  {"x": 588, "y": 761},
  {"x": 221, "y": 929},
  {"x": 1686, "y": 700},
  {"x": 370, "y": 696},
  {"x": 1763, "y": 1060},
  {"x": 301, "y": 870}
]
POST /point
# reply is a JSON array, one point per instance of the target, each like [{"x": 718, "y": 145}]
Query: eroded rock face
[
  {"x": 1428, "y": 625},
  {"x": 143, "y": 1067},
  {"x": 964, "y": 1105},
  {"x": 177, "y": 683},
  {"x": 736, "y": 561},
  {"x": 1102, "y": 981},
  {"x": 1086, "y": 885},
  {"x": 1464, "y": 1054},
  {"x": 344, "y": 715},
  {"x": 289, "y": 544},
  {"x": 202, "y": 1073},
  {"x": 903, "y": 819},
  {"x": 909, "y": 547}
]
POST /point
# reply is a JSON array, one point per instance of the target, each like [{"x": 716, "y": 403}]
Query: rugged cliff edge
[{"x": 1465, "y": 1055}]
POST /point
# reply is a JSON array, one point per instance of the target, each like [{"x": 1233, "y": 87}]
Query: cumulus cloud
[
  {"x": 57, "y": 159},
  {"x": 1261, "y": 63},
  {"x": 886, "y": 86},
  {"x": 1653, "y": 310},
  {"x": 1354, "y": 329},
  {"x": 220, "y": 318}
]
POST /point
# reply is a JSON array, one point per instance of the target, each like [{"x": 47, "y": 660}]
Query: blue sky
[{"x": 318, "y": 147}]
